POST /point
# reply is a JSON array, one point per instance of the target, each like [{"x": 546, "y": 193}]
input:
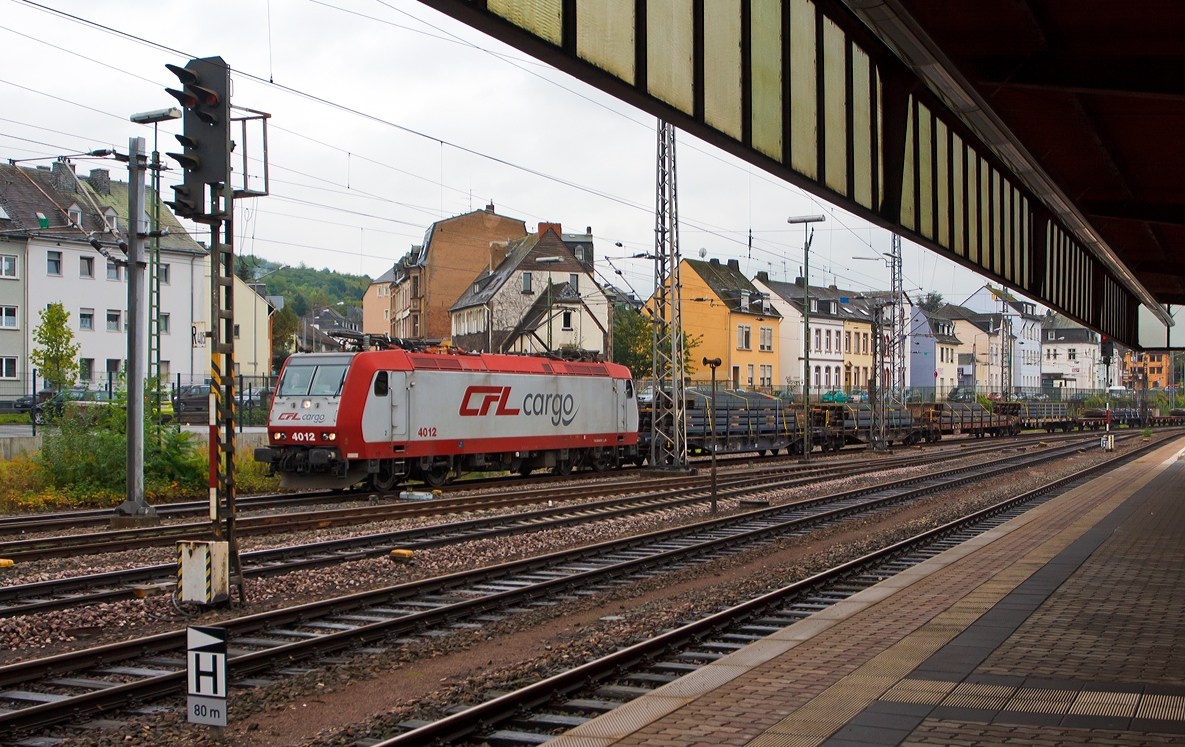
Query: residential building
[
  {"x": 979, "y": 352},
  {"x": 537, "y": 295},
  {"x": 1022, "y": 326},
  {"x": 933, "y": 352},
  {"x": 841, "y": 332},
  {"x": 54, "y": 211},
  {"x": 428, "y": 280},
  {"x": 14, "y": 350},
  {"x": 1071, "y": 356},
  {"x": 733, "y": 321},
  {"x": 1152, "y": 367},
  {"x": 376, "y": 305}
]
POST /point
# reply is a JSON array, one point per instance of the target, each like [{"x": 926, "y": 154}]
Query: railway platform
[{"x": 1061, "y": 626}]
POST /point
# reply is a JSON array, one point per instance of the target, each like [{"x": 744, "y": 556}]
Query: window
[
  {"x": 236, "y": 331},
  {"x": 827, "y": 337},
  {"x": 86, "y": 267},
  {"x": 827, "y": 376},
  {"x": 111, "y": 219},
  {"x": 744, "y": 338},
  {"x": 86, "y": 319},
  {"x": 865, "y": 343},
  {"x": 415, "y": 286},
  {"x": 767, "y": 375},
  {"x": 7, "y": 368},
  {"x": 866, "y": 373},
  {"x": 818, "y": 341},
  {"x": 567, "y": 318},
  {"x": 7, "y": 266},
  {"x": 1051, "y": 335},
  {"x": 381, "y": 384},
  {"x": 113, "y": 320},
  {"x": 386, "y": 314},
  {"x": 816, "y": 376},
  {"x": 8, "y": 317},
  {"x": 579, "y": 254},
  {"x": 86, "y": 369},
  {"x": 574, "y": 282},
  {"x": 53, "y": 263},
  {"x": 75, "y": 214},
  {"x": 164, "y": 370},
  {"x": 527, "y": 282},
  {"x": 767, "y": 338},
  {"x": 415, "y": 325},
  {"x": 112, "y": 270},
  {"x": 749, "y": 374},
  {"x": 164, "y": 274},
  {"x": 814, "y": 304},
  {"x": 1072, "y": 354},
  {"x": 164, "y": 324}
]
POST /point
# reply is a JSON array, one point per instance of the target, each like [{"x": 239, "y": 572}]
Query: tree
[
  {"x": 55, "y": 354},
  {"x": 284, "y": 324},
  {"x": 931, "y": 302},
  {"x": 633, "y": 343}
]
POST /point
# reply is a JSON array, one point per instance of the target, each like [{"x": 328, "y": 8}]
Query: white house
[
  {"x": 1071, "y": 355},
  {"x": 1025, "y": 335}
]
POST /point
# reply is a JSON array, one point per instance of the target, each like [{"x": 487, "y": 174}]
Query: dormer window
[
  {"x": 579, "y": 253},
  {"x": 75, "y": 214},
  {"x": 111, "y": 219}
]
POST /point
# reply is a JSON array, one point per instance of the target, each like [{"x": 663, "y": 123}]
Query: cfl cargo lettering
[{"x": 384, "y": 416}]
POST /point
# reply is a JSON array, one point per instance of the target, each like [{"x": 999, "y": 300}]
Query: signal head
[
  {"x": 185, "y": 75},
  {"x": 188, "y": 162},
  {"x": 185, "y": 98}
]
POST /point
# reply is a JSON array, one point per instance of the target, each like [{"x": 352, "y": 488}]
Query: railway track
[
  {"x": 67, "y": 686},
  {"x": 56, "y": 521},
  {"x": 71, "y": 545},
  {"x": 129, "y": 583},
  {"x": 536, "y": 713}
]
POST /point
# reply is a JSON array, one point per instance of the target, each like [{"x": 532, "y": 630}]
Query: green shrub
[{"x": 986, "y": 403}]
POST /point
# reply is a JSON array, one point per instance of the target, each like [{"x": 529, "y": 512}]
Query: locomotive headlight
[
  {"x": 332, "y": 436},
  {"x": 306, "y": 404}
]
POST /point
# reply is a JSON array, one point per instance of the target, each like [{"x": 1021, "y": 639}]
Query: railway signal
[{"x": 205, "y": 159}]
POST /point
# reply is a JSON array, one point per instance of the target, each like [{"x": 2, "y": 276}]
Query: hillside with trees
[{"x": 303, "y": 287}]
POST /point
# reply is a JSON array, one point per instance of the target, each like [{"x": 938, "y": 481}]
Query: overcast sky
[{"x": 352, "y": 191}]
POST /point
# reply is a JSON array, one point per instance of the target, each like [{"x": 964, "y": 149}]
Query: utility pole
[
  {"x": 713, "y": 363},
  {"x": 668, "y": 443},
  {"x": 808, "y": 237},
  {"x": 878, "y": 395},
  {"x": 134, "y": 511}
]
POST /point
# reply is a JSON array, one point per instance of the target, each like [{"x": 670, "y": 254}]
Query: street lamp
[
  {"x": 808, "y": 236},
  {"x": 713, "y": 363}
]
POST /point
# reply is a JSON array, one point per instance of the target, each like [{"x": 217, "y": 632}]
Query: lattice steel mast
[
  {"x": 668, "y": 445},
  {"x": 895, "y": 386}
]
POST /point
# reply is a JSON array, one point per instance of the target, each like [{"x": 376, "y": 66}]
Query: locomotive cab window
[
  {"x": 380, "y": 384},
  {"x": 323, "y": 378},
  {"x": 629, "y": 389}
]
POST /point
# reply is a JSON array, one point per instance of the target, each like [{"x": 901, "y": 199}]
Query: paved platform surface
[{"x": 1062, "y": 626}]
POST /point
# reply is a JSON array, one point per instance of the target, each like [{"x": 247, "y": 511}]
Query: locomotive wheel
[
  {"x": 385, "y": 479},
  {"x": 600, "y": 463},
  {"x": 437, "y": 476},
  {"x": 524, "y": 469},
  {"x": 562, "y": 468}
]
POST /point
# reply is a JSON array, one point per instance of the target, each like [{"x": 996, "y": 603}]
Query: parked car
[
  {"x": 193, "y": 398},
  {"x": 53, "y": 407},
  {"x": 259, "y": 398},
  {"x": 961, "y": 394},
  {"x": 835, "y": 396}
]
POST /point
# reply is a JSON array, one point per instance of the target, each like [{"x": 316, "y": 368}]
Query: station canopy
[{"x": 1037, "y": 142}]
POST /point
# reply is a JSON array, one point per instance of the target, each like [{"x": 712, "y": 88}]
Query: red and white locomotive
[{"x": 340, "y": 419}]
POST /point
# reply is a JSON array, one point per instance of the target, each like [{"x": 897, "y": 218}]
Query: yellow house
[
  {"x": 857, "y": 354},
  {"x": 733, "y": 322}
]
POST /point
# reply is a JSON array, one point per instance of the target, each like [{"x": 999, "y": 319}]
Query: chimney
[
  {"x": 714, "y": 262},
  {"x": 588, "y": 230},
  {"x": 734, "y": 264},
  {"x": 543, "y": 227},
  {"x": 100, "y": 179},
  {"x": 63, "y": 178},
  {"x": 798, "y": 281},
  {"x": 490, "y": 207},
  {"x": 763, "y": 276},
  {"x": 497, "y": 254}
]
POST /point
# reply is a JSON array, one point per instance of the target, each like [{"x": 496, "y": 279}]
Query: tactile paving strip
[
  {"x": 929, "y": 692},
  {"x": 1094, "y": 703},
  {"x": 975, "y": 695},
  {"x": 1040, "y": 700},
  {"x": 1167, "y": 707}
]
